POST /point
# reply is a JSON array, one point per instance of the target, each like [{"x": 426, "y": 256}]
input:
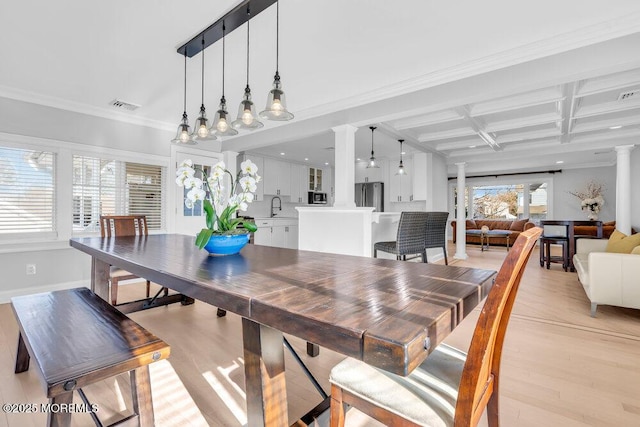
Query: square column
[{"x": 345, "y": 166}]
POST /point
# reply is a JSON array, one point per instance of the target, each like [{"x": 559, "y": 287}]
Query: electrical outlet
[{"x": 31, "y": 269}]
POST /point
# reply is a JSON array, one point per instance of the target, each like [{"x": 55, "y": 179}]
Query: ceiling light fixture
[
  {"x": 276, "y": 108},
  {"x": 615, "y": 127},
  {"x": 183, "y": 136},
  {"x": 201, "y": 130},
  {"x": 247, "y": 118},
  {"x": 372, "y": 159},
  {"x": 401, "y": 170},
  {"x": 221, "y": 125}
]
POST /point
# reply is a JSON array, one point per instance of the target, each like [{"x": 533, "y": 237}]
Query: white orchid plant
[
  {"x": 219, "y": 209},
  {"x": 591, "y": 200}
]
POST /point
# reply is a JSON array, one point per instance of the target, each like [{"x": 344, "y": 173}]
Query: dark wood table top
[{"x": 376, "y": 310}]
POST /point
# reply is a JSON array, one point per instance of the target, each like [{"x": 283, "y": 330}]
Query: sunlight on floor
[
  {"x": 233, "y": 403},
  {"x": 172, "y": 403}
]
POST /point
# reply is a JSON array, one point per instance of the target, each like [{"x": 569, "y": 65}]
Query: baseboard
[{"x": 5, "y": 296}]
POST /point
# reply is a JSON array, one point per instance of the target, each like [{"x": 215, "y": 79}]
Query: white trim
[
  {"x": 77, "y": 107},
  {"x": 5, "y": 296},
  {"x": 56, "y": 145}
]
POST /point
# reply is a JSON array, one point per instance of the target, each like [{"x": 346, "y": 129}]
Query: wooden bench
[{"x": 75, "y": 339}]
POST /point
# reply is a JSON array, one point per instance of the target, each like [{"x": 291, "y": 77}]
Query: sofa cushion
[
  {"x": 518, "y": 225},
  {"x": 471, "y": 224},
  {"x": 636, "y": 250},
  {"x": 621, "y": 243},
  {"x": 499, "y": 225}
]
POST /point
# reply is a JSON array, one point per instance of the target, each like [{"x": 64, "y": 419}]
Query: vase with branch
[{"x": 591, "y": 200}]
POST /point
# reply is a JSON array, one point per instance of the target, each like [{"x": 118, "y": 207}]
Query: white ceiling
[{"x": 540, "y": 79}]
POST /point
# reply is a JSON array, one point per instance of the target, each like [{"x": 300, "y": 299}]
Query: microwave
[{"x": 317, "y": 198}]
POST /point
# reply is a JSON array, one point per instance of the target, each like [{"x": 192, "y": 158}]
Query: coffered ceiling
[{"x": 501, "y": 85}]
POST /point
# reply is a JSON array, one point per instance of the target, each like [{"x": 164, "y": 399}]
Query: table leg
[
  {"x": 100, "y": 278},
  {"x": 264, "y": 375}
]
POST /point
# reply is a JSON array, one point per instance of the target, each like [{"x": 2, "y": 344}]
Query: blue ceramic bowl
[{"x": 220, "y": 244}]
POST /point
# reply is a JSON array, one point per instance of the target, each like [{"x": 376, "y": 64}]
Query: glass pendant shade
[
  {"x": 401, "y": 169},
  {"x": 247, "y": 118},
  {"x": 221, "y": 125},
  {"x": 183, "y": 136},
  {"x": 276, "y": 108},
  {"x": 201, "y": 130},
  {"x": 372, "y": 159}
]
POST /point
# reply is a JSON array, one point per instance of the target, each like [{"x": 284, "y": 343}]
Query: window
[
  {"x": 112, "y": 187},
  {"x": 27, "y": 191},
  {"x": 504, "y": 200}
]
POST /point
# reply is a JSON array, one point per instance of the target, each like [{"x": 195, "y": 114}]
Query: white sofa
[{"x": 607, "y": 278}]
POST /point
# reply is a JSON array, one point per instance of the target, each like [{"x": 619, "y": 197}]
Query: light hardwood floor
[{"x": 560, "y": 366}]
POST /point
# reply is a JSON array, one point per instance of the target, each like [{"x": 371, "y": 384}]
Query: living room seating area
[{"x": 515, "y": 227}]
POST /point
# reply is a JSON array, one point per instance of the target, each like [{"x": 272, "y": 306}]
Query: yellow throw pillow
[
  {"x": 621, "y": 243},
  {"x": 636, "y": 250}
]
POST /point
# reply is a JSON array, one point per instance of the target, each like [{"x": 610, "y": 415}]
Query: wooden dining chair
[
  {"x": 119, "y": 226},
  {"x": 450, "y": 388},
  {"x": 410, "y": 238}
]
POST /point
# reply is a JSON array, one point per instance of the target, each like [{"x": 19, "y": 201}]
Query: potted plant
[{"x": 221, "y": 235}]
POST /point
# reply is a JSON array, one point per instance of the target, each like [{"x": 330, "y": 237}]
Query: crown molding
[{"x": 77, "y": 107}]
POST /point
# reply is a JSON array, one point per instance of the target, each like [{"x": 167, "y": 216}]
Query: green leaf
[
  {"x": 210, "y": 213},
  {"x": 203, "y": 237},
  {"x": 251, "y": 226}
]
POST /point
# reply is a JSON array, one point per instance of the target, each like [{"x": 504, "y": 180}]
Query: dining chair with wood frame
[{"x": 450, "y": 388}]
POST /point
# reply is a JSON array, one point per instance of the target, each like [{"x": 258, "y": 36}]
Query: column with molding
[
  {"x": 623, "y": 188},
  {"x": 461, "y": 220},
  {"x": 344, "y": 166}
]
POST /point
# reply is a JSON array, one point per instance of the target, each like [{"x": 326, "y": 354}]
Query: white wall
[
  {"x": 57, "y": 265},
  {"x": 635, "y": 188},
  {"x": 566, "y": 206}
]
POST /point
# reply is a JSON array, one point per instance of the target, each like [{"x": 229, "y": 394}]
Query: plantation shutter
[
  {"x": 27, "y": 191},
  {"x": 112, "y": 187}
]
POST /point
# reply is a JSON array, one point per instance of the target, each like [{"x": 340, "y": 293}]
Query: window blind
[
  {"x": 27, "y": 191},
  {"x": 112, "y": 187}
]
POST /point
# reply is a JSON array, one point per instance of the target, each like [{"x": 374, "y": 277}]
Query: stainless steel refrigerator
[{"x": 370, "y": 194}]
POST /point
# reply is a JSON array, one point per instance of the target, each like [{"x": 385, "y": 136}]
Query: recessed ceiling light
[
  {"x": 306, "y": 159},
  {"x": 282, "y": 154},
  {"x": 560, "y": 162},
  {"x": 358, "y": 159},
  {"x": 615, "y": 127},
  {"x": 472, "y": 146},
  {"x": 403, "y": 153},
  {"x": 326, "y": 163}
]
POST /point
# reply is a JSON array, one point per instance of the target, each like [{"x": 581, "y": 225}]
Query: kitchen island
[{"x": 351, "y": 231}]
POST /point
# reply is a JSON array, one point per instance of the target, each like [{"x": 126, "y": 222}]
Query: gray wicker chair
[
  {"x": 436, "y": 234},
  {"x": 410, "y": 239}
]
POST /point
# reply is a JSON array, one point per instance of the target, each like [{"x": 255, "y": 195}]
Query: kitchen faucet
[{"x": 272, "y": 205}]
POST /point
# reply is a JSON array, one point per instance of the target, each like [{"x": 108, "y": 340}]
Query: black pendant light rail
[{"x": 232, "y": 20}]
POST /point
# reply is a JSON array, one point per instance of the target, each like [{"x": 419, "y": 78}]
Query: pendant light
[
  {"x": 221, "y": 125},
  {"x": 200, "y": 128},
  {"x": 372, "y": 159},
  {"x": 276, "y": 108},
  {"x": 183, "y": 136},
  {"x": 401, "y": 169},
  {"x": 247, "y": 118}
]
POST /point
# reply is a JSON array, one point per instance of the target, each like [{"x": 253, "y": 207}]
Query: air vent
[
  {"x": 124, "y": 105},
  {"x": 628, "y": 95}
]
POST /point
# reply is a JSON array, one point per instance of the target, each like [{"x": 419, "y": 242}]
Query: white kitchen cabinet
[
  {"x": 259, "y": 162},
  {"x": 291, "y": 236},
  {"x": 298, "y": 181},
  {"x": 277, "y": 232},
  {"x": 277, "y": 177},
  {"x": 315, "y": 179},
  {"x": 401, "y": 188}
]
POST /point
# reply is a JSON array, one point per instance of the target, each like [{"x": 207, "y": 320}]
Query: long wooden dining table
[{"x": 388, "y": 313}]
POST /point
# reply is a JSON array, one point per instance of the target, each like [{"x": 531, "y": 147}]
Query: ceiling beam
[
  {"x": 478, "y": 126},
  {"x": 566, "y": 109}
]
